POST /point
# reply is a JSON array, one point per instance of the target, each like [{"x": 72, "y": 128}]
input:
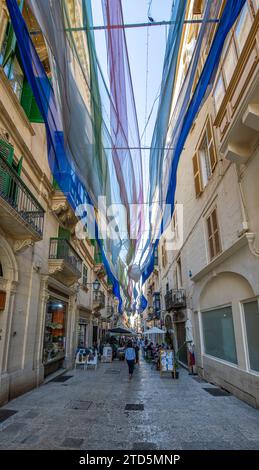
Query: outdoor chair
[
  {"x": 92, "y": 361},
  {"x": 81, "y": 360}
]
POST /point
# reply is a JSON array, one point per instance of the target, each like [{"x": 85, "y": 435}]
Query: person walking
[
  {"x": 136, "y": 347},
  {"x": 130, "y": 356}
]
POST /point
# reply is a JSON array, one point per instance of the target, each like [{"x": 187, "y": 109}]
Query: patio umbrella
[{"x": 122, "y": 331}]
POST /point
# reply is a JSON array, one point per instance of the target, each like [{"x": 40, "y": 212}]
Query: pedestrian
[
  {"x": 130, "y": 356},
  {"x": 136, "y": 347}
]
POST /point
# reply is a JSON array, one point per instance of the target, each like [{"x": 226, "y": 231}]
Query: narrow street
[{"x": 89, "y": 411}]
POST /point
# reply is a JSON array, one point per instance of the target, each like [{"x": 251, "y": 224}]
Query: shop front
[
  {"x": 83, "y": 330},
  {"x": 54, "y": 346}
]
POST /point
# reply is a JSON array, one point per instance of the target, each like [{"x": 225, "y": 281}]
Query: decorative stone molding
[
  {"x": 55, "y": 268},
  {"x": 20, "y": 245},
  {"x": 63, "y": 210},
  {"x": 251, "y": 238}
]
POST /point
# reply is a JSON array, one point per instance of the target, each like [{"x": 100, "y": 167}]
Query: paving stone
[
  {"x": 14, "y": 428},
  {"x": 101, "y": 412},
  {"x": 217, "y": 392},
  {"x": 72, "y": 442},
  {"x": 31, "y": 415},
  {"x": 5, "y": 414},
  {"x": 144, "y": 446}
]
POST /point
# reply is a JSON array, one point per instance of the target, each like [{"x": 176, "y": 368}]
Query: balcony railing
[
  {"x": 99, "y": 298},
  {"x": 61, "y": 249},
  {"x": 15, "y": 192},
  {"x": 109, "y": 311},
  {"x": 175, "y": 298}
]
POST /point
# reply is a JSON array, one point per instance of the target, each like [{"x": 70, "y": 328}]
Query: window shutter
[
  {"x": 197, "y": 175},
  {"x": 6, "y": 153},
  {"x": 213, "y": 234},
  {"x": 64, "y": 233},
  {"x": 211, "y": 147},
  {"x": 19, "y": 167},
  {"x": 29, "y": 104}
]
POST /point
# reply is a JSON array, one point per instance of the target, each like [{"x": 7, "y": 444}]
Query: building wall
[
  {"x": 232, "y": 276},
  {"x": 26, "y": 279}
]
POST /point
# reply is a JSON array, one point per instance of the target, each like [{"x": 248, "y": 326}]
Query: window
[
  {"x": 197, "y": 7},
  {"x": 243, "y": 27},
  {"x": 213, "y": 234},
  {"x": 175, "y": 227},
  {"x": 256, "y": 5},
  {"x": 156, "y": 257},
  {"x": 251, "y": 313},
  {"x": 219, "y": 93},
  {"x": 218, "y": 334},
  {"x": 85, "y": 275},
  {"x": 15, "y": 75},
  {"x": 230, "y": 63},
  {"x": 205, "y": 160},
  {"x": 164, "y": 255},
  {"x": 179, "y": 280}
]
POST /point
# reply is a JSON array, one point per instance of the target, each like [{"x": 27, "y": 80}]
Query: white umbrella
[{"x": 154, "y": 331}]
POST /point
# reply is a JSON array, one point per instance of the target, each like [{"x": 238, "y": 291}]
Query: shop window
[
  {"x": 213, "y": 234},
  {"x": 243, "y": 27},
  {"x": 218, "y": 334},
  {"x": 54, "y": 336},
  {"x": 251, "y": 313},
  {"x": 230, "y": 63},
  {"x": 219, "y": 93}
]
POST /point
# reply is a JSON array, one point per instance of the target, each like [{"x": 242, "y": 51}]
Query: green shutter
[
  {"x": 35, "y": 114},
  {"x": 64, "y": 233},
  {"x": 10, "y": 46},
  {"x": 55, "y": 185},
  {"x": 62, "y": 249},
  {"x": 29, "y": 104},
  {"x": 19, "y": 167},
  {"x": 6, "y": 153}
]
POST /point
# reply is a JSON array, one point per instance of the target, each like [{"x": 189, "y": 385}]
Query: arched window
[{"x": 1, "y": 270}]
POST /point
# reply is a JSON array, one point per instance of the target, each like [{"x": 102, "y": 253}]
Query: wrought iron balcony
[
  {"x": 64, "y": 262},
  {"x": 109, "y": 311},
  {"x": 98, "y": 300},
  {"x": 20, "y": 212},
  {"x": 175, "y": 298}
]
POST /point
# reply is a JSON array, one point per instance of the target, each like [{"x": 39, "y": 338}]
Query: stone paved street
[{"x": 87, "y": 411}]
